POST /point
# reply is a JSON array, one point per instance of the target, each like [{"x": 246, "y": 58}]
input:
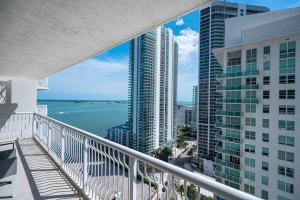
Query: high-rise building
[
  {"x": 118, "y": 134},
  {"x": 258, "y": 148},
  {"x": 211, "y": 36},
  {"x": 195, "y": 105},
  {"x": 152, "y": 89}
]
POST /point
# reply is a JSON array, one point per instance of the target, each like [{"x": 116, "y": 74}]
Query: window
[
  {"x": 265, "y": 166},
  {"x": 282, "y": 198},
  {"x": 264, "y": 180},
  {"x": 251, "y": 60},
  {"x": 286, "y": 140},
  {"x": 265, "y": 151},
  {"x": 286, "y": 79},
  {"x": 250, "y": 135},
  {"x": 266, "y": 80},
  {"x": 290, "y": 125},
  {"x": 288, "y": 156},
  {"x": 250, "y": 94},
  {"x": 287, "y": 57},
  {"x": 286, "y": 94},
  {"x": 264, "y": 194},
  {"x": 266, "y": 65},
  {"x": 265, "y": 137},
  {"x": 249, "y": 188},
  {"x": 286, "y": 171},
  {"x": 266, "y": 50},
  {"x": 250, "y": 121},
  {"x": 250, "y": 108},
  {"x": 289, "y": 172},
  {"x": 265, "y": 123},
  {"x": 249, "y": 175},
  {"x": 290, "y": 141},
  {"x": 281, "y": 170},
  {"x": 286, "y": 187},
  {"x": 249, "y": 148},
  {"x": 291, "y": 94},
  {"x": 286, "y": 125},
  {"x": 282, "y": 94},
  {"x": 281, "y": 155},
  {"x": 266, "y": 109},
  {"x": 289, "y": 110},
  {"x": 250, "y": 81},
  {"x": 266, "y": 94},
  {"x": 249, "y": 162}
]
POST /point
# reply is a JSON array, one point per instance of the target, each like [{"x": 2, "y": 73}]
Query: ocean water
[{"x": 95, "y": 117}]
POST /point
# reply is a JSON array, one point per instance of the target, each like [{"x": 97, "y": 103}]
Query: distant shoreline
[
  {"x": 81, "y": 101},
  {"x": 180, "y": 103}
]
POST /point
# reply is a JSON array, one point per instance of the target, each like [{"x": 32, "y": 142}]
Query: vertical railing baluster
[
  {"x": 49, "y": 135},
  {"x": 62, "y": 155},
  {"x": 132, "y": 177},
  {"x": 85, "y": 162}
]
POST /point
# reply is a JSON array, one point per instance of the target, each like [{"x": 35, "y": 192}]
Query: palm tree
[{"x": 180, "y": 189}]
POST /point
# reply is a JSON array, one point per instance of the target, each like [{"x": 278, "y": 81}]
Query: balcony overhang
[{"x": 39, "y": 38}]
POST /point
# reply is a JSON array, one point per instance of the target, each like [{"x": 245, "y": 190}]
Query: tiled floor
[{"x": 38, "y": 177}]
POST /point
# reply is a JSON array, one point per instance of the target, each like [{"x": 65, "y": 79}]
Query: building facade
[
  {"x": 195, "y": 109},
  {"x": 119, "y": 134},
  {"x": 259, "y": 86},
  {"x": 211, "y": 36},
  {"x": 153, "y": 63}
]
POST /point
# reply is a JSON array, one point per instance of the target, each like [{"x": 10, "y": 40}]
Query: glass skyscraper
[
  {"x": 153, "y": 63},
  {"x": 211, "y": 36}
]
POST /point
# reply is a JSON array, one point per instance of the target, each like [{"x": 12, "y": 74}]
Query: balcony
[
  {"x": 238, "y": 87},
  {"x": 238, "y": 100},
  {"x": 227, "y": 164},
  {"x": 43, "y": 84},
  {"x": 229, "y": 113},
  {"x": 228, "y": 151},
  {"x": 238, "y": 74},
  {"x": 79, "y": 164},
  {"x": 42, "y": 109}
]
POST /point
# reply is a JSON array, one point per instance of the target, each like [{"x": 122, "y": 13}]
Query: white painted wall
[{"x": 20, "y": 94}]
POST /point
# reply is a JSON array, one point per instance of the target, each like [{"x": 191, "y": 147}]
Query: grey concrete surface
[{"x": 38, "y": 177}]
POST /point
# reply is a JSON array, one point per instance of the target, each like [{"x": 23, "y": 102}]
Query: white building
[
  {"x": 152, "y": 89},
  {"x": 257, "y": 147}
]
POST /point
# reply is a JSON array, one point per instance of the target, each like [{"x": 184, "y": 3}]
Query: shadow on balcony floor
[{"x": 40, "y": 178}]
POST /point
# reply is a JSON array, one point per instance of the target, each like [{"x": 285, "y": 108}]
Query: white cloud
[
  {"x": 188, "y": 42},
  {"x": 187, "y": 63},
  {"x": 179, "y": 22}
]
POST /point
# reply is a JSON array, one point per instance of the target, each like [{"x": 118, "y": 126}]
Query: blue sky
[{"x": 105, "y": 75}]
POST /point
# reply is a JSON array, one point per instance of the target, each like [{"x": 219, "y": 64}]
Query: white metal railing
[
  {"x": 107, "y": 170},
  {"x": 15, "y": 126},
  {"x": 42, "y": 109},
  {"x": 43, "y": 84}
]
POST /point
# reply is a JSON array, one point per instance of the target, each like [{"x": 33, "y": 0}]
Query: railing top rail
[{"x": 202, "y": 181}]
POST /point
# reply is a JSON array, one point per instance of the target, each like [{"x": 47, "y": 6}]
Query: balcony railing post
[
  {"x": 85, "y": 162},
  {"x": 49, "y": 136},
  {"x": 132, "y": 177},
  {"x": 62, "y": 156}
]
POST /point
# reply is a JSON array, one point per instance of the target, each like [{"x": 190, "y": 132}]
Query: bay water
[{"x": 92, "y": 116}]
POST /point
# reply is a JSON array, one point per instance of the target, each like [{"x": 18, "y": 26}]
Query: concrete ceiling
[{"x": 41, "y": 37}]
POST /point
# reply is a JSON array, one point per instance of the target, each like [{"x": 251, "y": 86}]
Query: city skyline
[{"x": 109, "y": 69}]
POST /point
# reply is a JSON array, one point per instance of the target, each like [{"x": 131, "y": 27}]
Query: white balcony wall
[{"x": 17, "y": 95}]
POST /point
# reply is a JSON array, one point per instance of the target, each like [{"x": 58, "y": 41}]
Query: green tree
[
  {"x": 163, "y": 153},
  {"x": 180, "y": 189},
  {"x": 192, "y": 192}
]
